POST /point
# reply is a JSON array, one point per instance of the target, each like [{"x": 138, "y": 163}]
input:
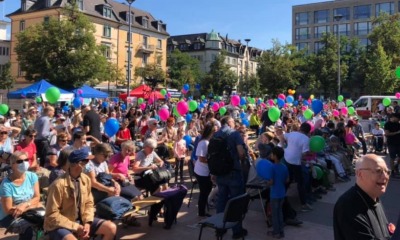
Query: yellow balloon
[
  {"x": 293, "y": 91},
  {"x": 312, "y": 96}
]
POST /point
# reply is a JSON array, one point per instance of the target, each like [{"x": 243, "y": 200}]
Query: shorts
[
  {"x": 394, "y": 151},
  {"x": 60, "y": 233}
]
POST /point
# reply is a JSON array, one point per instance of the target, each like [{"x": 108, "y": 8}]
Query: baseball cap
[
  {"x": 79, "y": 155},
  {"x": 180, "y": 119},
  {"x": 151, "y": 121}
]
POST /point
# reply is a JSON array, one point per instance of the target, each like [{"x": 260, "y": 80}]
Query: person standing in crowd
[
  {"x": 43, "y": 127},
  {"x": 29, "y": 118},
  {"x": 231, "y": 184},
  {"x": 358, "y": 213},
  {"x": 123, "y": 134},
  {"x": 91, "y": 122},
  {"x": 255, "y": 122},
  {"x": 392, "y": 133},
  {"x": 70, "y": 208},
  {"x": 180, "y": 154},
  {"x": 297, "y": 145},
  {"x": 359, "y": 133}
]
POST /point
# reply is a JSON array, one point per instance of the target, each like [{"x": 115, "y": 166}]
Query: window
[
  {"x": 318, "y": 46},
  {"x": 46, "y": 19},
  {"x": 302, "y": 18},
  {"x": 107, "y": 50},
  {"x": 23, "y": 5},
  {"x": 127, "y": 36},
  {"x": 365, "y": 42},
  {"x": 145, "y": 41},
  {"x": 20, "y": 73},
  {"x": 197, "y": 46},
  {"x": 21, "y": 25},
  {"x": 363, "y": 102},
  {"x": 344, "y": 29},
  {"x": 107, "y": 12},
  {"x": 4, "y": 51},
  {"x": 301, "y": 46},
  {"x": 127, "y": 73},
  {"x": 362, "y": 12},
  {"x": 321, "y": 16},
  {"x": 384, "y": 8},
  {"x": 302, "y": 33},
  {"x": 344, "y": 12},
  {"x": 183, "y": 47},
  {"x": 159, "y": 59},
  {"x": 48, "y": 3},
  {"x": 80, "y": 4},
  {"x": 213, "y": 57},
  {"x": 320, "y": 30},
  {"x": 145, "y": 23},
  {"x": 234, "y": 61},
  {"x": 159, "y": 27},
  {"x": 145, "y": 59},
  {"x": 127, "y": 54},
  {"x": 159, "y": 44},
  {"x": 106, "y": 31},
  {"x": 362, "y": 28}
]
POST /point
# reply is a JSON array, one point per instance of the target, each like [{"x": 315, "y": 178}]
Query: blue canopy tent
[
  {"x": 89, "y": 92},
  {"x": 38, "y": 89}
]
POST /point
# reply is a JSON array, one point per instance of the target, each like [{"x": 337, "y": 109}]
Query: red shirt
[
  {"x": 124, "y": 134},
  {"x": 30, "y": 149}
]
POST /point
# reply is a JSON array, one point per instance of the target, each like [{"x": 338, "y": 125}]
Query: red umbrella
[{"x": 143, "y": 91}]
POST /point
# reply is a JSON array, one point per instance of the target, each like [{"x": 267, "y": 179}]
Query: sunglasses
[
  {"x": 19, "y": 161},
  {"x": 3, "y": 132},
  {"x": 84, "y": 161}
]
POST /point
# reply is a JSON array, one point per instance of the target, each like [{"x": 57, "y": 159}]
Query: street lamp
[
  {"x": 337, "y": 19},
  {"x": 129, "y": 47},
  {"x": 247, "y": 40}
]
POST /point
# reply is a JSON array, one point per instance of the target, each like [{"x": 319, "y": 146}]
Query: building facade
[
  {"x": 205, "y": 47},
  {"x": 4, "y": 45},
  {"x": 350, "y": 18},
  {"x": 111, "y": 20}
]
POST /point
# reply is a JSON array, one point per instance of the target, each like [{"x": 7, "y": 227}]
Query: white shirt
[
  {"x": 297, "y": 144},
  {"x": 376, "y": 132},
  {"x": 201, "y": 168}
]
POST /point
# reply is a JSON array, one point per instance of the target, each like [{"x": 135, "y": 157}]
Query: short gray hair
[
  {"x": 128, "y": 144},
  {"x": 150, "y": 143}
]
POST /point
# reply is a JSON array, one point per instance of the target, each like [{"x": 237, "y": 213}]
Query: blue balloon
[
  {"x": 186, "y": 87},
  {"x": 188, "y": 139},
  {"x": 77, "y": 103},
  {"x": 111, "y": 127},
  {"x": 305, "y": 102},
  {"x": 280, "y": 103},
  {"x": 259, "y": 101},
  {"x": 65, "y": 108},
  {"x": 123, "y": 107},
  {"x": 242, "y": 101},
  {"x": 116, "y": 100},
  {"x": 201, "y": 105},
  {"x": 245, "y": 122},
  {"x": 198, "y": 86},
  {"x": 104, "y": 104},
  {"x": 296, "y": 103},
  {"x": 264, "y": 169},
  {"x": 242, "y": 115},
  {"x": 289, "y": 99},
  {"x": 189, "y": 117},
  {"x": 317, "y": 106}
]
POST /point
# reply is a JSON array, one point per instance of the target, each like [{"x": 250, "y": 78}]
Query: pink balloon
[
  {"x": 335, "y": 113},
  {"x": 215, "y": 107},
  {"x": 285, "y": 105},
  {"x": 182, "y": 108},
  {"x": 326, "y": 106},
  {"x": 263, "y": 105},
  {"x": 184, "y": 91},
  {"x": 282, "y": 96},
  {"x": 303, "y": 108},
  {"x": 143, "y": 106},
  {"x": 398, "y": 95},
  {"x": 221, "y": 104},
  {"x": 235, "y": 100},
  {"x": 271, "y": 102},
  {"x": 311, "y": 125},
  {"x": 151, "y": 100},
  {"x": 79, "y": 91},
  {"x": 164, "y": 114},
  {"x": 350, "y": 138},
  {"x": 344, "y": 111},
  {"x": 169, "y": 94}
]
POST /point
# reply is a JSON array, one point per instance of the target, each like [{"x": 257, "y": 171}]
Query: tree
[
  {"x": 251, "y": 86},
  {"x": 183, "y": 69},
  {"x": 278, "y": 68},
  {"x": 220, "y": 77},
  {"x": 6, "y": 79},
  {"x": 151, "y": 70},
  {"x": 63, "y": 51}
]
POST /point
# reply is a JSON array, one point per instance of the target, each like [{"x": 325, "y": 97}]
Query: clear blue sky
[{"x": 259, "y": 20}]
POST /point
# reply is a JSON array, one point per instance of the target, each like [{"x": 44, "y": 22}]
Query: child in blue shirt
[{"x": 280, "y": 176}]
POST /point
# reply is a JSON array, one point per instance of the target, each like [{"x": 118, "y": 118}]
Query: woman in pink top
[
  {"x": 180, "y": 154},
  {"x": 119, "y": 163}
]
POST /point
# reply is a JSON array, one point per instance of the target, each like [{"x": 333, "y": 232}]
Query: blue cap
[{"x": 79, "y": 155}]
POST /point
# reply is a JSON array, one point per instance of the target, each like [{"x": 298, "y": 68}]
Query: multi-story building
[
  {"x": 111, "y": 20},
  {"x": 205, "y": 47},
  {"x": 350, "y": 18},
  {"x": 4, "y": 45}
]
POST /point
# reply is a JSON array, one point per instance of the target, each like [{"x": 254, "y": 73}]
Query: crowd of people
[{"x": 71, "y": 148}]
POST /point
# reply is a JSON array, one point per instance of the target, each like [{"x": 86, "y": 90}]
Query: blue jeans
[
  {"x": 230, "y": 186},
  {"x": 277, "y": 215},
  {"x": 6, "y": 222}
]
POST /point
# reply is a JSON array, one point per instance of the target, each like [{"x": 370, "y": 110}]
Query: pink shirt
[
  {"x": 120, "y": 164},
  {"x": 180, "y": 148}
]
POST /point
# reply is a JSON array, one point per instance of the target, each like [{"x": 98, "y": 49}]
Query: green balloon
[
  {"x": 351, "y": 110},
  {"x": 175, "y": 111},
  {"x": 340, "y": 98},
  {"x": 163, "y": 92},
  {"x": 244, "y": 107},
  {"x": 386, "y": 102},
  {"x": 203, "y": 97},
  {"x": 349, "y": 102},
  {"x": 140, "y": 100},
  {"x": 397, "y": 72},
  {"x": 252, "y": 100},
  {"x": 192, "y": 105},
  {"x": 275, "y": 100},
  {"x": 3, "y": 109},
  {"x": 52, "y": 94},
  {"x": 222, "y": 111},
  {"x": 274, "y": 113},
  {"x": 319, "y": 172},
  {"x": 38, "y": 99},
  {"x": 308, "y": 114},
  {"x": 317, "y": 144}
]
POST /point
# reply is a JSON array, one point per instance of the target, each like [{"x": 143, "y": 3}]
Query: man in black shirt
[
  {"x": 91, "y": 122},
  {"x": 392, "y": 133},
  {"x": 358, "y": 213}
]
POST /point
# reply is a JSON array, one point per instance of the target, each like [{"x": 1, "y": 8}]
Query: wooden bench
[{"x": 146, "y": 202}]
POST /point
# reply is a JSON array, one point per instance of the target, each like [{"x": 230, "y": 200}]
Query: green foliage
[
  {"x": 151, "y": 70},
  {"x": 6, "y": 79},
  {"x": 64, "y": 52},
  {"x": 183, "y": 69},
  {"x": 251, "y": 86},
  {"x": 220, "y": 77}
]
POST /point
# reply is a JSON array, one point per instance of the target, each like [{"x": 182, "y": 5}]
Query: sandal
[{"x": 131, "y": 221}]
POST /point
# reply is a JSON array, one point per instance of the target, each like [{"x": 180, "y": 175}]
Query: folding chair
[
  {"x": 235, "y": 212},
  {"x": 258, "y": 189},
  {"x": 193, "y": 179}
]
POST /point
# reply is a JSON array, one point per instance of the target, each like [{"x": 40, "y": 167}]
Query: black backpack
[{"x": 220, "y": 161}]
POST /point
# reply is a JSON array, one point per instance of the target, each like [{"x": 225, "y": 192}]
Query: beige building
[
  {"x": 205, "y": 47},
  {"x": 350, "y": 18},
  {"x": 4, "y": 44},
  {"x": 111, "y": 18}
]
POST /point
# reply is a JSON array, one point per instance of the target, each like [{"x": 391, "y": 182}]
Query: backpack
[
  {"x": 220, "y": 161},
  {"x": 113, "y": 208}
]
